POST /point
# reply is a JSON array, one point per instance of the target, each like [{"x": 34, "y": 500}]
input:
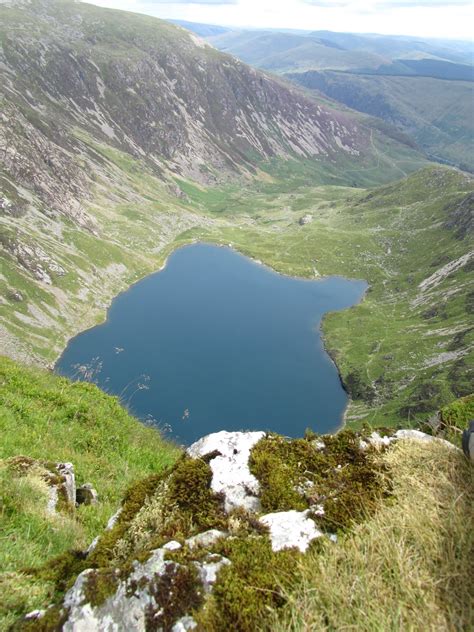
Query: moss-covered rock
[
  {"x": 180, "y": 555},
  {"x": 334, "y": 473}
]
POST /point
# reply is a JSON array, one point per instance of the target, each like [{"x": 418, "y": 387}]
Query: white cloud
[{"x": 425, "y": 18}]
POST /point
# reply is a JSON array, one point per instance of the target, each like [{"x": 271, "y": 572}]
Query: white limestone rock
[
  {"x": 66, "y": 470},
  {"x": 184, "y": 624},
  {"x": 230, "y": 471},
  {"x": 413, "y": 434},
  {"x": 205, "y": 539},
  {"x": 378, "y": 441},
  {"x": 34, "y": 615},
  {"x": 208, "y": 570},
  {"x": 172, "y": 545},
  {"x": 126, "y": 609},
  {"x": 290, "y": 529}
]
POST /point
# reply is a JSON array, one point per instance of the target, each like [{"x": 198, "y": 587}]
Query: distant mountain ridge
[
  {"x": 281, "y": 50},
  {"x": 150, "y": 89},
  {"x": 422, "y": 86}
]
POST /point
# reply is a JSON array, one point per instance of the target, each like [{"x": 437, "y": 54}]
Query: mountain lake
[{"x": 216, "y": 341}]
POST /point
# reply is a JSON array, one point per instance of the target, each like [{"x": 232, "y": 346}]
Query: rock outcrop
[
  {"x": 86, "y": 495},
  {"x": 236, "y": 511},
  {"x": 59, "y": 477}
]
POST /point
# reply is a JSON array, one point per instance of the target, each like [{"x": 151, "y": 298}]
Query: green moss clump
[
  {"x": 352, "y": 484},
  {"x": 279, "y": 465},
  {"x": 456, "y": 417},
  {"x": 100, "y": 585},
  {"x": 61, "y": 571},
  {"x": 134, "y": 499},
  {"x": 247, "y": 589},
  {"x": 297, "y": 475},
  {"x": 190, "y": 491},
  {"x": 178, "y": 592},
  {"x": 52, "y": 621}
]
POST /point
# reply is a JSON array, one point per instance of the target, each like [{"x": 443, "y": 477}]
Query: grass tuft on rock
[{"x": 409, "y": 566}]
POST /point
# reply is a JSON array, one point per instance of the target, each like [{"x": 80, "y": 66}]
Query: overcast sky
[{"x": 428, "y": 18}]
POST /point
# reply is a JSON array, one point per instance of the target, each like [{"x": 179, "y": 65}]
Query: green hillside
[
  {"x": 435, "y": 113},
  {"x": 123, "y": 138},
  {"x": 97, "y": 158},
  {"x": 412, "y": 241}
]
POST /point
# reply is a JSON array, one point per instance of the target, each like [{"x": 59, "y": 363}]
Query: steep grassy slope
[
  {"x": 49, "y": 418},
  {"x": 435, "y": 113}
]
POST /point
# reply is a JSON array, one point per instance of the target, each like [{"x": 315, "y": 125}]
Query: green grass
[
  {"x": 408, "y": 567},
  {"x": 50, "y": 418}
]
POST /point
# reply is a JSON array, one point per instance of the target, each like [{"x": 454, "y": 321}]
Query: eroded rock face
[
  {"x": 151, "y": 597},
  {"x": 86, "y": 495}
]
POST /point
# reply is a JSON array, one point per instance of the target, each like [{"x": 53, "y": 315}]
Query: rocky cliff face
[{"x": 148, "y": 88}]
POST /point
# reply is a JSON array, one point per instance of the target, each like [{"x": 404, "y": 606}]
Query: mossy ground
[
  {"x": 295, "y": 474},
  {"x": 175, "y": 501},
  {"x": 179, "y": 503}
]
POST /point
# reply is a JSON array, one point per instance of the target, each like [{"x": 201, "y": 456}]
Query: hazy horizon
[{"x": 435, "y": 19}]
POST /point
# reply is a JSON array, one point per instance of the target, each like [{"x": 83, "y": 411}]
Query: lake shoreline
[{"x": 334, "y": 288}]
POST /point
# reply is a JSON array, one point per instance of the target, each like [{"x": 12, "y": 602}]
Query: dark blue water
[{"x": 215, "y": 341}]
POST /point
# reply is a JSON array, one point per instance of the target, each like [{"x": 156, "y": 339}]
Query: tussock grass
[
  {"x": 409, "y": 567},
  {"x": 28, "y": 534}
]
